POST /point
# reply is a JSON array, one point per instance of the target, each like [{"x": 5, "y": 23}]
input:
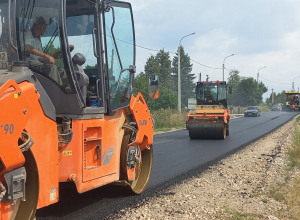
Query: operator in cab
[{"x": 36, "y": 56}]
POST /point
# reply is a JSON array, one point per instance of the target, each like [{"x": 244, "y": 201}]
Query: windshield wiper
[
  {"x": 113, "y": 37},
  {"x": 50, "y": 42},
  {"x": 132, "y": 68}
]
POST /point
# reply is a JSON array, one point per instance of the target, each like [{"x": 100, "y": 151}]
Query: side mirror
[{"x": 153, "y": 87}]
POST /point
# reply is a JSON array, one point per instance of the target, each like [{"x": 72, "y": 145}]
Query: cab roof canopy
[{"x": 212, "y": 82}]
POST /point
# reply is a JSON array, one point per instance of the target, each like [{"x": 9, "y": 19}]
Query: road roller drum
[{"x": 207, "y": 131}]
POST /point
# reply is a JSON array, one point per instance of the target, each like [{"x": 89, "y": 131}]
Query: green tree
[
  {"x": 247, "y": 93},
  {"x": 91, "y": 67},
  {"x": 141, "y": 84},
  {"x": 187, "y": 78},
  {"x": 167, "y": 98},
  {"x": 278, "y": 98},
  {"x": 160, "y": 65},
  {"x": 234, "y": 79}
]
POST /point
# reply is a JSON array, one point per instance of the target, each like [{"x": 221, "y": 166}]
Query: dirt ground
[{"x": 235, "y": 188}]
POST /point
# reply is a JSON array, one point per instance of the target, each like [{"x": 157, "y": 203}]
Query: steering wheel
[{"x": 57, "y": 55}]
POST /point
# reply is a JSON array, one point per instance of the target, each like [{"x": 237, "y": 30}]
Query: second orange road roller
[{"x": 210, "y": 118}]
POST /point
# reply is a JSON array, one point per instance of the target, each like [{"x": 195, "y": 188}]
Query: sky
[{"x": 258, "y": 32}]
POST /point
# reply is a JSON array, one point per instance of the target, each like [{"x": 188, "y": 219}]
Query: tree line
[
  {"x": 167, "y": 71},
  {"x": 278, "y": 98},
  {"x": 244, "y": 90}
]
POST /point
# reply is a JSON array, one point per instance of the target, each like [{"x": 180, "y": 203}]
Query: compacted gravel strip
[{"x": 239, "y": 183}]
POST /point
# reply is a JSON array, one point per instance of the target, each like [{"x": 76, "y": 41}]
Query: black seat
[
  {"x": 92, "y": 85},
  {"x": 83, "y": 80}
]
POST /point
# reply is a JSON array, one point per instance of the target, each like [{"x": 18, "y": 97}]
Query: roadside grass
[
  {"x": 288, "y": 191},
  {"x": 298, "y": 119},
  {"x": 232, "y": 214},
  {"x": 264, "y": 108},
  {"x": 294, "y": 151},
  {"x": 167, "y": 119}
]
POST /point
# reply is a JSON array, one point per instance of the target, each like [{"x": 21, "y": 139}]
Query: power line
[
  {"x": 226, "y": 69},
  {"x": 166, "y": 51},
  {"x": 205, "y": 65},
  {"x": 146, "y": 48},
  {"x": 272, "y": 81}
]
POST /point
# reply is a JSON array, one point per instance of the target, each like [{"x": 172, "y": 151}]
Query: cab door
[
  {"x": 120, "y": 53},
  {"x": 83, "y": 31}
]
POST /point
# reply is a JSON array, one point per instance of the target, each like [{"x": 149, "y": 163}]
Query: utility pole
[
  {"x": 258, "y": 74},
  {"x": 293, "y": 84},
  {"x": 224, "y": 64},
  {"x": 272, "y": 97},
  {"x": 179, "y": 82},
  {"x": 112, "y": 63},
  {"x": 199, "y": 77},
  {"x": 223, "y": 71},
  {"x": 179, "y": 77}
]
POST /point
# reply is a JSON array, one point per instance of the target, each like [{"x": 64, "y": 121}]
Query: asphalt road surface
[{"x": 175, "y": 159}]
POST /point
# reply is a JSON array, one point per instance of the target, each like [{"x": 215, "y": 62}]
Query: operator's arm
[
  {"x": 36, "y": 52},
  {"x": 57, "y": 54}
]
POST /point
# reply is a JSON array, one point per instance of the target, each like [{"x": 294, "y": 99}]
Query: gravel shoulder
[{"x": 237, "y": 187}]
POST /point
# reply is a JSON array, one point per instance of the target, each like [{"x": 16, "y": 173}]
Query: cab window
[{"x": 40, "y": 43}]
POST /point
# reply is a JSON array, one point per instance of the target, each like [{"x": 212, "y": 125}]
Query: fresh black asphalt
[{"x": 175, "y": 159}]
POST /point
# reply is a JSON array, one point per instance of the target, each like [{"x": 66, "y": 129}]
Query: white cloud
[{"x": 259, "y": 33}]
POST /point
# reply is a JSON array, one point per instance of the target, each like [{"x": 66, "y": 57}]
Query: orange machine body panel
[
  {"x": 20, "y": 106},
  {"x": 92, "y": 158},
  {"x": 12, "y": 123},
  {"x": 142, "y": 116}
]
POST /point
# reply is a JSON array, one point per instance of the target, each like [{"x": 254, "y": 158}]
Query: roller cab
[
  {"x": 67, "y": 110},
  {"x": 210, "y": 118}
]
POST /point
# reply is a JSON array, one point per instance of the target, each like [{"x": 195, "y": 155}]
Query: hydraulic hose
[
  {"x": 3, "y": 191},
  {"x": 27, "y": 143},
  {"x": 133, "y": 129}
]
